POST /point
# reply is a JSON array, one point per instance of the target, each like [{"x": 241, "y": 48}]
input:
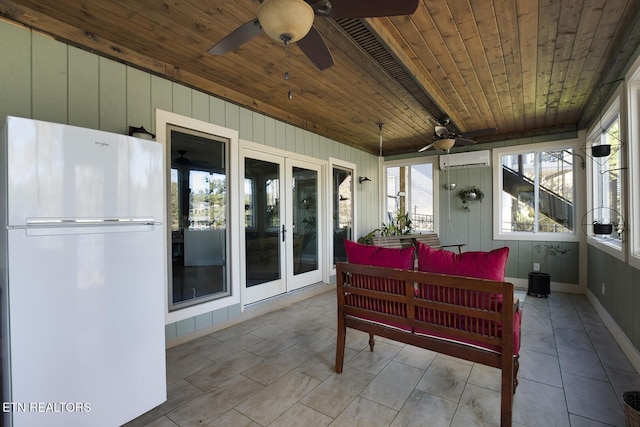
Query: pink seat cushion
[
  {"x": 379, "y": 256},
  {"x": 481, "y": 265}
]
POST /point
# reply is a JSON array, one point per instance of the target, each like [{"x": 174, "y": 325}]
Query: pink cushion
[
  {"x": 480, "y": 265},
  {"x": 379, "y": 256}
]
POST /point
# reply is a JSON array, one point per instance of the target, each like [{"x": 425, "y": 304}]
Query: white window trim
[
  {"x": 333, "y": 162},
  {"x": 578, "y": 182},
  {"x": 610, "y": 110},
  {"x": 633, "y": 153},
  {"x": 163, "y": 118},
  {"x": 433, "y": 160}
]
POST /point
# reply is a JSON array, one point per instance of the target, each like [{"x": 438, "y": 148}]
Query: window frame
[
  {"x": 609, "y": 112},
  {"x": 633, "y": 155},
  {"x": 433, "y": 161},
  {"x": 497, "y": 154}
]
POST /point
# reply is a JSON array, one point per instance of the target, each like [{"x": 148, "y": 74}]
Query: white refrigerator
[{"x": 82, "y": 263}]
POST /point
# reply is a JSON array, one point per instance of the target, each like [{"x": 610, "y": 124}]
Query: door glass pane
[
  {"x": 421, "y": 196},
  {"x": 262, "y": 221},
  {"x": 198, "y": 218},
  {"x": 342, "y": 212},
  {"x": 305, "y": 224}
]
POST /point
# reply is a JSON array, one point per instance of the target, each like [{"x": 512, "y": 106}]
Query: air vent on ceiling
[{"x": 360, "y": 32}]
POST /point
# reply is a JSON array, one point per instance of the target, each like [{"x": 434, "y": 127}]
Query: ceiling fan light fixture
[
  {"x": 285, "y": 20},
  {"x": 444, "y": 144}
]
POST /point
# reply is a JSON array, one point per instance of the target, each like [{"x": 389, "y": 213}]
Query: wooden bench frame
[
  {"x": 405, "y": 240},
  {"x": 365, "y": 281}
]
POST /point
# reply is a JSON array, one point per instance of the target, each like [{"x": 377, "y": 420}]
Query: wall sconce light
[
  {"x": 141, "y": 132},
  {"x": 451, "y": 186},
  {"x": 362, "y": 179}
]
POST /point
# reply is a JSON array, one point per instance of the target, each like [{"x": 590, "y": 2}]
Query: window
[
  {"x": 604, "y": 220},
  {"x": 199, "y": 213},
  {"x": 634, "y": 156},
  {"x": 536, "y": 192},
  {"x": 409, "y": 191}
]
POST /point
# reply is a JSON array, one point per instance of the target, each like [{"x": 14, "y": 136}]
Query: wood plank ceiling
[{"x": 524, "y": 67}]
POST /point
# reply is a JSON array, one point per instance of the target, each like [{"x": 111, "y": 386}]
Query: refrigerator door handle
[{"x": 90, "y": 222}]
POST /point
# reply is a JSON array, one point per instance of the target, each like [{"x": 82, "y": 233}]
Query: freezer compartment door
[
  {"x": 87, "y": 326},
  {"x": 61, "y": 171}
]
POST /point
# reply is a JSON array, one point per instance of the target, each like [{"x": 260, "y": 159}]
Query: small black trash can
[
  {"x": 632, "y": 408},
  {"x": 539, "y": 284}
]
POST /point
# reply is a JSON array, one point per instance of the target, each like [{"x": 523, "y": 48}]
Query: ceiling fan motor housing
[{"x": 285, "y": 20}]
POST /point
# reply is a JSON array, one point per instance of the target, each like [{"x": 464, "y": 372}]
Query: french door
[{"x": 282, "y": 212}]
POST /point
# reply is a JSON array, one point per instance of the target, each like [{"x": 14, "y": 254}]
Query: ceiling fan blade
[
  {"x": 425, "y": 148},
  {"x": 371, "y": 8},
  {"x": 464, "y": 141},
  {"x": 237, "y": 38},
  {"x": 479, "y": 132},
  {"x": 316, "y": 49}
]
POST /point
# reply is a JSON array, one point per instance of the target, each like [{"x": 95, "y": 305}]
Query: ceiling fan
[
  {"x": 292, "y": 21},
  {"x": 444, "y": 139}
]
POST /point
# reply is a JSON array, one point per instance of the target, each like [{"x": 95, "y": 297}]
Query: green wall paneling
[
  {"x": 139, "y": 111},
  {"x": 84, "y": 89},
  {"x": 200, "y": 106},
  {"x": 113, "y": 97},
  {"x": 232, "y": 116},
  {"x": 259, "y": 130},
  {"x": 15, "y": 85},
  {"x": 161, "y": 98},
  {"x": 246, "y": 125},
  {"x": 217, "y": 111},
  {"x": 270, "y": 133},
  {"x": 182, "y": 103},
  {"x": 49, "y": 80}
]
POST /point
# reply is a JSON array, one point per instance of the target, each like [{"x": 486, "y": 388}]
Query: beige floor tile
[
  {"x": 415, "y": 356},
  {"x": 365, "y": 413},
  {"x": 478, "y": 407},
  {"x": 423, "y": 409},
  {"x": 207, "y": 407},
  {"x": 272, "y": 401},
  {"x": 445, "y": 378},
  {"x": 278, "y": 370},
  {"x": 593, "y": 399},
  {"x": 393, "y": 385},
  {"x": 336, "y": 392},
  {"x": 209, "y": 377},
  {"x": 300, "y": 415},
  {"x": 233, "y": 418}
]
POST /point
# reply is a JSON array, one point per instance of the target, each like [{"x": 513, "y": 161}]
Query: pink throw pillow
[
  {"x": 480, "y": 265},
  {"x": 379, "y": 256}
]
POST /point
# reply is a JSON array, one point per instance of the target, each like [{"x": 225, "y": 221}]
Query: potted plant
[
  {"x": 601, "y": 150},
  {"x": 470, "y": 194},
  {"x": 602, "y": 228},
  {"x": 540, "y": 281}
]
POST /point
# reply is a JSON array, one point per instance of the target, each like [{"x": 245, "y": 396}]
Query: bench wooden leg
[
  {"x": 516, "y": 366},
  {"x": 340, "y": 344},
  {"x": 372, "y": 342},
  {"x": 507, "y": 390}
]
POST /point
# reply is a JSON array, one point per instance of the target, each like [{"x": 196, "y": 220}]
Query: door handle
[{"x": 284, "y": 230}]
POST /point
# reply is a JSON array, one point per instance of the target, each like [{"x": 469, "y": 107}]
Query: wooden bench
[
  {"x": 472, "y": 319},
  {"x": 404, "y": 240}
]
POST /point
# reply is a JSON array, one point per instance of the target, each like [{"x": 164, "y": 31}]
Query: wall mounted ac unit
[{"x": 473, "y": 159}]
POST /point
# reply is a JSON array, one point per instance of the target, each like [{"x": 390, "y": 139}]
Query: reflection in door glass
[
  {"x": 262, "y": 221},
  {"x": 198, "y": 210},
  {"x": 305, "y": 224},
  {"x": 342, "y": 212}
]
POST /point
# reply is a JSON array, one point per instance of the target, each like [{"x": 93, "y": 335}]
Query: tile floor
[{"x": 277, "y": 370}]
